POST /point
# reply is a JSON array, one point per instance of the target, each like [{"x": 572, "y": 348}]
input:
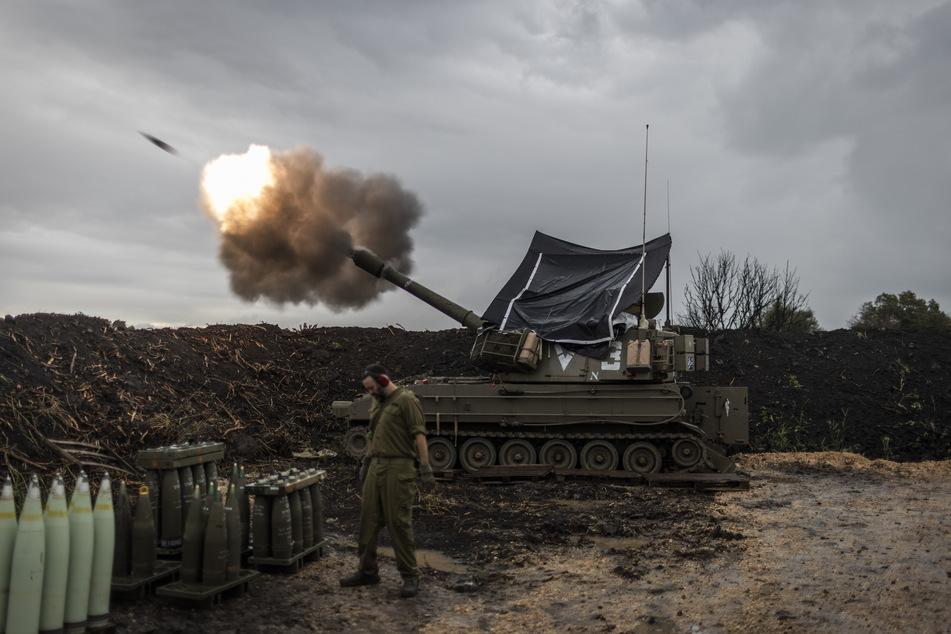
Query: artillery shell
[
  {"x": 262, "y": 526},
  {"x": 8, "y": 536},
  {"x": 56, "y": 566},
  {"x": 307, "y": 517},
  {"x": 211, "y": 472},
  {"x": 193, "y": 541},
  {"x": 206, "y": 501},
  {"x": 282, "y": 537},
  {"x": 26, "y": 573},
  {"x": 198, "y": 477},
  {"x": 215, "y": 555},
  {"x": 143, "y": 536},
  {"x": 104, "y": 546},
  {"x": 187, "y": 487},
  {"x": 80, "y": 557},
  {"x": 297, "y": 528},
  {"x": 122, "y": 558},
  {"x": 233, "y": 522},
  {"x": 171, "y": 510},
  {"x": 153, "y": 480}
]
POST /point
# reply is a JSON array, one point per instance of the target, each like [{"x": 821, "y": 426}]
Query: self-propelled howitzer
[{"x": 547, "y": 403}]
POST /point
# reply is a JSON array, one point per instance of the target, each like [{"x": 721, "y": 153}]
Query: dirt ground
[
  {"x": 844, "y": 528},
  {"x": 821, "y": 542}
]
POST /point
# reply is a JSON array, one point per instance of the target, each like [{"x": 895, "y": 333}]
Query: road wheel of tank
[
  {"x": 560, "y": 454},
  {"x": 687, "y": 453},
  {"x": 355, "y": 442},
  {"x": 442, "y": 453},
  {"x": 517, "y": 452},
  {"x": 641, "y": 457},
  {"x": 477, "y": 453},
  {"x": 599, "y": 455}
]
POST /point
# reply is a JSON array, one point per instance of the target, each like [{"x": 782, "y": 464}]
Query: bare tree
[{"x": 725, "y": 295}]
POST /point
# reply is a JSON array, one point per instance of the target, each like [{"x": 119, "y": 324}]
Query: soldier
[{"x": 397, "y": 436}]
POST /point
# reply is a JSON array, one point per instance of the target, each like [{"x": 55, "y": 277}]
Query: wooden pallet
[
  {"x": 135, "y": 587},
  {"x": 292, "y": 564},
  {"x": 533, "y": 472},
  {"x": 703, "y": 481},
  {"x": 199, "y": 595},
  {"x": 624, "y": 477},
  {"x": 503, "y": 474}
]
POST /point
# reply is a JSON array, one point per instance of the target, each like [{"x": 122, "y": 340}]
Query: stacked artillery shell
[
  {"x": 153, "y": 480},
  {"x": 122, "y": 559},
  {"x": 81, "y": 541},
  {"x": 104, "y": 527},
  {"x": 243, "y": 504},
  {"x": 215, "y": 556},
  {"x": 211, "y": 554},
  {"x": 56, "y": 566},
  {"x": 171, "y": 473},
  {"x": 233, "y": 480},
  {"x": 211, "y": 472},
  {"x": 297, "y": 524},
  {"x": 199, "y": 479},
  {"x": 8, "y": 536},
  {"x": 288, "y": 516},
  {"x": 307, "y": 518},
  {"x": 26, "y": 574},
  {"x": 143, "y": 536},
  {"x": 187, "y": 488},
  {"x": 206, "y": 502},
  {"x": 282, "y": 531},
  {"x": 193, "y": 541},
  {"x": 171, "y": 510},
  {"x": 262, "y": 525}
]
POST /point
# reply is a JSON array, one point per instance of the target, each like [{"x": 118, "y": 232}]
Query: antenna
[
  {"x": 643, "y": 322},
  {"x": 667, "y": 322},
  {"x": 668, "y": 205}
]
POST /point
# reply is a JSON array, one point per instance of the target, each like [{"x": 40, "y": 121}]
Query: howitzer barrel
[{"x": 374, "y": 265}]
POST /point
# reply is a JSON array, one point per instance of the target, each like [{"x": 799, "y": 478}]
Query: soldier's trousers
[{"x": 388, "y": 494}]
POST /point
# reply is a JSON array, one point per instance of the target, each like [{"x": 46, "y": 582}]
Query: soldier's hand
[
  {"x": 426, "y": 474},
  {"x": 364, "y": 467}
]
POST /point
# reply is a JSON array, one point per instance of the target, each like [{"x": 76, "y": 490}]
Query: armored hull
[{"x": 575, "y": 412}]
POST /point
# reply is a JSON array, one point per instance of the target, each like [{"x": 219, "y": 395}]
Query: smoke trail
[{"x": 291, "y": 241}]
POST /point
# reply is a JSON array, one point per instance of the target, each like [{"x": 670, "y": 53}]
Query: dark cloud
[{"x": 803, "y": 132}]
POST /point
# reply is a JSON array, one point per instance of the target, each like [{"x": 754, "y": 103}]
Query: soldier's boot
[{"x": 410, "y": 588}]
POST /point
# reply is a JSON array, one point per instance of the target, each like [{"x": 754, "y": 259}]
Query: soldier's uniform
[{"x": 391, "y": 482}]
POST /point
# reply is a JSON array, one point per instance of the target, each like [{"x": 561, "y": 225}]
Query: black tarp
[{"x": 570, "y": 294}]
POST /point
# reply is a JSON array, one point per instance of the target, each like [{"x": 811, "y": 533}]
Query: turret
[{"x": 647, "y": 353}]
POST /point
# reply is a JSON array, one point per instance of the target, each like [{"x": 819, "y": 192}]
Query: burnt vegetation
[{"x": 82, "y": 391}]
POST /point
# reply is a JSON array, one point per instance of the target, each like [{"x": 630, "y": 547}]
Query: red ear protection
[{"x": 383, "y": 380}]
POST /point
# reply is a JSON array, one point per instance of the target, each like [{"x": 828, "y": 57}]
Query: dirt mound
[
  {"x": 81, "y": 389},
  {"x": 881, "y": 394}
]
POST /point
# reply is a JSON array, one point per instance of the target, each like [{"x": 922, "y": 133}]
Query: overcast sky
[{"x": 813, "y": 133}]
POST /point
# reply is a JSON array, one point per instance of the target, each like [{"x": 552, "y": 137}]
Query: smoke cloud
[{"x": 291, "y": 242}]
